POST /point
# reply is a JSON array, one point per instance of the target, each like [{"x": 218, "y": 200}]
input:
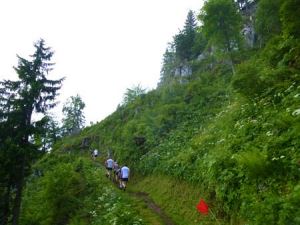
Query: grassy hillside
[
  {"x": 70, "y": 189},
  {"x": 236, "y": 137},
  {"x": 228, "y": 133},
  {"x": 230, "y": 139}
]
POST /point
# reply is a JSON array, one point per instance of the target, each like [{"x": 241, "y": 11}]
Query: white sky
[{"x": 101, "y": 47}]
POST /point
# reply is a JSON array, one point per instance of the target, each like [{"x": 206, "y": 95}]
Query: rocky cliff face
[{"x": 183, "y": 70}]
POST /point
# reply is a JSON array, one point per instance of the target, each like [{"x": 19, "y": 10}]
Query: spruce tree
[
  {"x": 184, "y": 41},
  {"x": 32, "y": 93}
]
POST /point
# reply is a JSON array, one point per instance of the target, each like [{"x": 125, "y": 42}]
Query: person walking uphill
[
  {"x": 109, "y": 163},
  {"x": 125, "y": 172},
  {"x": 116, "y": 169},
  {"x": 95, "y": 154}
]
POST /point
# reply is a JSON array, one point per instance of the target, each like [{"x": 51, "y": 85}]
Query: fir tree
[
  {"x": 184, "y": 41},
  {"x": 32, "y": 92}
]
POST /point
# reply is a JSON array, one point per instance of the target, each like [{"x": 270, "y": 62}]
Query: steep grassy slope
[
  {"x": 71, "y": 189},
  {"x": 235, "y": 137},
  {"x": 230, "y": 139}
]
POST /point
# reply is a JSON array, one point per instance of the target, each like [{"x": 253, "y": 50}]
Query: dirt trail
[
  {"x": 153, "y": 206},
  {"x": 150, "y": 203}
]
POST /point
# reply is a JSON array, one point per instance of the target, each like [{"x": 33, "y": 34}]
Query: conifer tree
[
  {"x": 184, "y": 41},
  {"x": 168, "y": 65},
  {"x": 181, "y": 51},
  {"x": 32, "y": 92}
]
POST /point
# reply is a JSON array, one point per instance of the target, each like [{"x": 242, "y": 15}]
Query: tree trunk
[
  {"x": 18, "y": 198},
  {"x": 4, "y": 220},
  {"x": 21, "y": 174}
]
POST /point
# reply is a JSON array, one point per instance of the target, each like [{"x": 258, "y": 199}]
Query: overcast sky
[{"x": 102, "y": 47}]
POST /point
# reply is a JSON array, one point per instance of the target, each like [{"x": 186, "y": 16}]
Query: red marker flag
[{"x": 202, "y": 207}]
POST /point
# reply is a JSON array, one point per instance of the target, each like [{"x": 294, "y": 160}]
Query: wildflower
[
  {"x": 296, "y": 112},
  {"x": 222, "y": 140},
  {"x": 290, "y": 87},
  {"x": 269, "y": 133}
]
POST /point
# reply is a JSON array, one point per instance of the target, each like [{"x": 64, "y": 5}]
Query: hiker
[
  {"x": 116, "y": 170},
  {"x": 95, "y": 154},
  {"x": 109, "y": 167},
  {"x": 124, "y": 177}
]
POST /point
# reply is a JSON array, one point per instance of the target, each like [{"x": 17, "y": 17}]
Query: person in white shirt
[
  {"x": 109, "y": 163},
  {"x": 95, "y": 154},
  {"x": 125, "y": 172}
]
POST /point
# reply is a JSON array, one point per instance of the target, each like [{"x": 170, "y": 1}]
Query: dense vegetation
[
  {"x": 231, "y": 126},
  {"x": 224, "y": 119},
  {"x": 68, "y": 189}
]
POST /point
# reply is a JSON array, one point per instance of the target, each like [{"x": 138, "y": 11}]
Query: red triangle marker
[{"x": 202, "y": 207}]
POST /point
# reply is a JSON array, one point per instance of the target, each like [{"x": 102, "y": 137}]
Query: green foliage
[
  {"x": 247, "y": 80},
  {"x": 74, "y": 119},
  {"x": 132, "y": 94},
  {"x": 21, "y": 138},
  {"x": 221, "y": 23},
  {"x": 200, "y": 42},
  {"x": 169, "y": 65},
  {"x": 49, "y": 133},
  {"x": 289, "y": 12},
  {"x": 254, "y": 162},
  {"x": 267, "y": 21},
  {"x": 66, "y": 189},
  {"x": 234, "y": 136},
  {"x": 184, "y": 41},
  {"x": 180, "y": 53},
  {"x": 110, "y": 208},
  {"x": 240, "y": 149},
  {"x": 57, "y": 194}
]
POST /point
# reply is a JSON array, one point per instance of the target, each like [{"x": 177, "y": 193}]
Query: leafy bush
[
  {"x": 247, "y": 80},
  {"x": 70, "y": 191}
]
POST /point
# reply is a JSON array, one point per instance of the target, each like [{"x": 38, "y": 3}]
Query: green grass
[
  {"x": 232, "y": 140},
  {"x": 138, "y": 204},
  {"x": 144, "y": 211},
  {"x": 177, "y": 198}
]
